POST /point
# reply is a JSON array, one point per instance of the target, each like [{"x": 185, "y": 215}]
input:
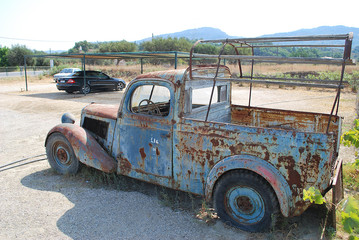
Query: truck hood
[{"x": 101, "y": 110}]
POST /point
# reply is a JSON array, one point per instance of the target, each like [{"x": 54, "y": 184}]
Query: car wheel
[
  {"x": 60, "y": 155},
  {"x": 69, "y": 91},
  {"x": 120, "y": 86},
  {"x": 245, "y": 200},
  {"x": 86, "y": 89}
]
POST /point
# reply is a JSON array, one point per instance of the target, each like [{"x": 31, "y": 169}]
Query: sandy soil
[{"x": 36, "y": 203}]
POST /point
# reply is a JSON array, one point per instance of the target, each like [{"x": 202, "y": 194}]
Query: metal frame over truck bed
[{"x": 280, "y": 42}]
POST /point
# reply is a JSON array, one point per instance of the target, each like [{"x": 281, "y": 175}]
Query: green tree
[
  {"x": 3, "y": 56},
  {"x": 305, "y": 52},
  {"x": 167, "y": 44},
  {"x": 41, "y": 61},
  {"x": 121, "y": 46},
  {"x": 16, "y": 56},
  {"x": 206, "y": 48},
  {"x": 84, "y": 46}
]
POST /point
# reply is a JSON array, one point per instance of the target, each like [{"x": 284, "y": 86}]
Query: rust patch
[
  {"x": 157, "y": 151},
  {"x": 211, "y": 163},
  {"x": 236, "y": 150},
  {"x": 125, "y": 166},
  {"x": 293, "y": 176},
  {"x": 313, "y": 164},
  {"x": 189, "y": 174},
  {"x": 143, "y": 154},
  {"x": 214, "y": 142},
  {"x": 301, "y": 150}
]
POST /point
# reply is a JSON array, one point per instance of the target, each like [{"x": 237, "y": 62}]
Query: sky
[{"x": 56, "y": 25}]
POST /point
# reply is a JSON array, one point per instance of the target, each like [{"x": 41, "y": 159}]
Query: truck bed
[
  {"x": 283, "y": 119},
  {"x": 268, "y": 118}
]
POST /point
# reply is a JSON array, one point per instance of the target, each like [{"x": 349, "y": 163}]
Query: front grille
[{"x": 97, "y": 127}]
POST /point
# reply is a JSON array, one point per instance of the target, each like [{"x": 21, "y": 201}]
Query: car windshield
[{"x": 66, "y": 70}]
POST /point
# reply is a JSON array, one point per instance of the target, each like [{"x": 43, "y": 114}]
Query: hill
[
  {"x": 195, "y": 34},
  {"x": 215, "y": 33},
  {"x": 323, "y": 30}
]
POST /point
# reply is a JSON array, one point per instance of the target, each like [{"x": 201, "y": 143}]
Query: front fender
[
  {"x": 259, "y": 166},
  {"x": 87, "y": 150}
]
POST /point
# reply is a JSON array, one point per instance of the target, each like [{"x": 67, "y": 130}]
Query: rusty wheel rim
[
  {"x": 62, "y": 155},
  {"x": 245, "y": 205}
]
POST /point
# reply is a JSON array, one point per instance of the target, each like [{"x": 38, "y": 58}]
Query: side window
[
  {"x": 102, "y": 75},
  {"x": 151, "y": 100},
  {"x": 91, "y": 74},
  {"x": 201, "y": 96},
  {"x": 80, "y": 74}
]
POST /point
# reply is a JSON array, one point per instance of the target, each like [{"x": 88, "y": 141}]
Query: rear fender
[
  {"x": 259, "y": 166},
  {"x": 87, "y": 150}
]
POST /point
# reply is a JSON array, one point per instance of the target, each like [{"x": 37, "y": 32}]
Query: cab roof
[{"x": 205, "y": 71}]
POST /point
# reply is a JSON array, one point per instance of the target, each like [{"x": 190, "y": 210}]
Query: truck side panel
[{"x": 304, "y": 159}]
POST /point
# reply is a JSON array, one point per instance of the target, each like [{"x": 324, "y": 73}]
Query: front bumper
[{"x": 70, "y": 87}]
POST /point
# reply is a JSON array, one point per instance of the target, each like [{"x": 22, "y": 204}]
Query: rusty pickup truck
[{"x": 180, "y": 129}]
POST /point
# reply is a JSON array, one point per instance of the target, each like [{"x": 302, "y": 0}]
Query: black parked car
[{"x": 95, "y": 80}]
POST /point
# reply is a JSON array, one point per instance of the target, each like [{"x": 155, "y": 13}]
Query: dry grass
[
  {"x": 133, "y": 70},
  {"x": 266, "y": 68}
]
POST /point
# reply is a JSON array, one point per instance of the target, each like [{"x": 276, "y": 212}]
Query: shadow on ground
[
  {"x": 109, "y": 97},
  {"x": 111, "y": 206}
]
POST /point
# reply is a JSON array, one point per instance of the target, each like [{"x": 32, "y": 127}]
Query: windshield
[{"x": 66, "y": 70}]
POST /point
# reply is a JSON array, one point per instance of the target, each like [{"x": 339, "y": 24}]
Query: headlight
[{"x": 68, "y": 118}]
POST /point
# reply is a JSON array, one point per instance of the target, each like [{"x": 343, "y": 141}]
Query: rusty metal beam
[
  {"x": 282, "y": 39},
  {"x": 294, "y": 45},
  {"x": 274, "y": 59},
  {"x": 299, "y": 84}
]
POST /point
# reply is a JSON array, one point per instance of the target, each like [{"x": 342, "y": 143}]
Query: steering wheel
[{"x": 152, "y": 108}]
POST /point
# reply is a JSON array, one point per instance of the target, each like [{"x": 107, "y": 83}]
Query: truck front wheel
[
  {"x": 245, "y": 200},
  {"x": 60, "y": 154}
]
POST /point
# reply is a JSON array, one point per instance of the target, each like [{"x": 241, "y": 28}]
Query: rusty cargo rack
[
  {"x": 343, "y": 41},
  {"x": 280, "y": 42}
]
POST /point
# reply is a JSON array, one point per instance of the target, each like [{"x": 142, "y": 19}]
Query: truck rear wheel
[
  {"x": 60, "y": 154},
  {"x": 245, "y": 200}
]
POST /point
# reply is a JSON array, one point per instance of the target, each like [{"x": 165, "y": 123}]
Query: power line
[{"x": 33, "y": 40}]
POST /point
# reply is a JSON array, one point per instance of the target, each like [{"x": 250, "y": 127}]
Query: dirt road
[{"x": 36, "y": 203}]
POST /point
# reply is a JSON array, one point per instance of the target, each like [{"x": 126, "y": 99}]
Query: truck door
[{"x": 146, "y": 132}]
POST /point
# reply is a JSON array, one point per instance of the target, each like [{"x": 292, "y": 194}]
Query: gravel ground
[{"x": 36, "y": 203}]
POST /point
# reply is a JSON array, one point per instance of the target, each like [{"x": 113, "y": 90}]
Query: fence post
[
  {"x": 175, "y": 60},
  {"x": 25, "y": 72},
  {"x": 141, "y": 65}
]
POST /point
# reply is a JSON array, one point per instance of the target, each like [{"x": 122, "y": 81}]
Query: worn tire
[
  {"x": 86, "y": 89},
  {"x": 120, "y": 86},
  {"x": 245, "y": 200},
  {"x": 60, "y": 154}
]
